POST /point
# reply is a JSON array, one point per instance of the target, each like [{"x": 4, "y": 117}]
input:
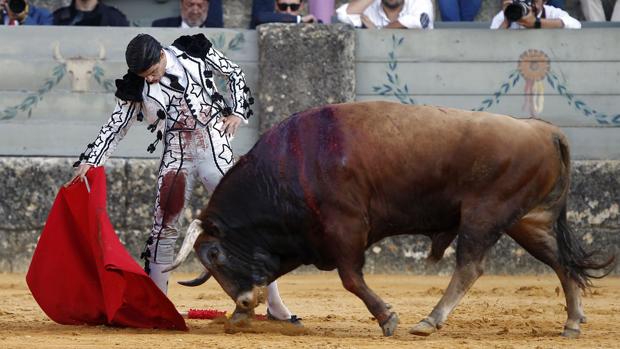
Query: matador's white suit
[{"x": 184, "y": 110}]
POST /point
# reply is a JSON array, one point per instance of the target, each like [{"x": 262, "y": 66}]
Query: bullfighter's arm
[
  {"x": 111, "y": 133},
  {"x": 236, "y": 82}
]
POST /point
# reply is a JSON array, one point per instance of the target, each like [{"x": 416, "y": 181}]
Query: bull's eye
[{"x": 213, "y": 254}]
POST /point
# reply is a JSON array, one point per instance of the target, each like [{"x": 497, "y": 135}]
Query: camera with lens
[
  {"x": 517, "y": 10},
  {"x": 17, "y": 8}
]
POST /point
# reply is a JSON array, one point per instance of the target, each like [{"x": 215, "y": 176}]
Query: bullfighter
[{"x": 172, "y": 89}]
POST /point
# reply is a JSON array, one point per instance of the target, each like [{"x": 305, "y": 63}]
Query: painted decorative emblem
[{"x": 534, "y": 66}]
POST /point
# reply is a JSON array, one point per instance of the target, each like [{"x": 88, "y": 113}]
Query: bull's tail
[{"x": 582, "y": 265}]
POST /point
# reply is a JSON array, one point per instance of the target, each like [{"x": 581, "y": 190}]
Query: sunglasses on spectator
[{"x": 282, "y": 7}]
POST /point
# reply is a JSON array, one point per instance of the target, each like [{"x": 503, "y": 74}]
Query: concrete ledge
[
  {"x": 29, "y": 185},
  {"x": 303, "y": 67}
]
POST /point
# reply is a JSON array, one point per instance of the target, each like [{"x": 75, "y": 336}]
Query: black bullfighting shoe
[{"x": 293, "y": 319}]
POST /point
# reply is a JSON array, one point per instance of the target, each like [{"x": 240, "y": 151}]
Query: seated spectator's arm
[
  {"x": 556, "y": 19},
  {"x": 420, "y": 17},
  {"x": 499, "y": 21},
  {"x": 547, "y": 23},
  {"x": 346, "y": 18},
  {"x": 357, "y": 7},
  {"x": 395, "y": 25},
  {"x": 568, "y": 22}
]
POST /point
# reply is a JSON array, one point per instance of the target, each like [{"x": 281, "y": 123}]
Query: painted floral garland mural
[{"x": 534, "y": 68}]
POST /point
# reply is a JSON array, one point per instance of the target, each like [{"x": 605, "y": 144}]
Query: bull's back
[{"x": 403, "y": 139}]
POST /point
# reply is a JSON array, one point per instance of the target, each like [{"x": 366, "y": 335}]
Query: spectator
[
  {"x": 90, "y": 13},
  {"x": 387, "y": 14},
  {"x": 279, "y": 11},
  {"x": 458, "y": 10},
  {"x": 538, "y": 15},
  {"x": 195, "y": 13},
  {"x": 593, "y": 11},
  {"x": 21, "y": 12}
]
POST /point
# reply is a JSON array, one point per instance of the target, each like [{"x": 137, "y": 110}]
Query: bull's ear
[{"x": 210, "y": 228}]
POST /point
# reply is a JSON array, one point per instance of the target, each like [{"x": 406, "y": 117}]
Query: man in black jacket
[
  {"x": 279, "y": 11},
  {"x": 195, "y": 13},
  {"x": 90, "y": 13}
]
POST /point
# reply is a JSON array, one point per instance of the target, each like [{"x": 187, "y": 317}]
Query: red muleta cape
[{"x": 81, "y": 274}]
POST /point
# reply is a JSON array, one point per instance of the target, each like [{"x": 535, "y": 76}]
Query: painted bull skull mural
[{"x": 80, "y": 68}]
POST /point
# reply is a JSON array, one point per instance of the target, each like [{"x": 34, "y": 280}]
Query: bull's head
[
  {"x": 80, "y": 68},
  {"x": 242, "y": 275}
]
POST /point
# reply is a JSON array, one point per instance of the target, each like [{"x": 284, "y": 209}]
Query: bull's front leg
[
  {"x": 348, "y": 234},
  {"x": 353, "y": 281}
]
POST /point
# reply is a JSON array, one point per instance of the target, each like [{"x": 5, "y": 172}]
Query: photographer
[
  {"x": 21, "y": 12},
  {"x": 532, "y": 14}
]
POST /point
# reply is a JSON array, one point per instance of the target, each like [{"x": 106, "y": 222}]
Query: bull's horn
[
  {"x": 193, "y": 232},
  {"x": 197, "y": 281}
]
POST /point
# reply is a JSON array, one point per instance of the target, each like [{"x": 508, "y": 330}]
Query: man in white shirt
[
  {"x": 404, "y": 14},
  {"x": 538, "y": 16}
]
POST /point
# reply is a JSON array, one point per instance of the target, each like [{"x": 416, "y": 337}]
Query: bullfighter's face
[
  {"x": 155, "y": 72},
  {"x": 238, "y": 275}
]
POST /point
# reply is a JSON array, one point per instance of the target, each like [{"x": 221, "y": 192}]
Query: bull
[{"x": 325, "y": 184}]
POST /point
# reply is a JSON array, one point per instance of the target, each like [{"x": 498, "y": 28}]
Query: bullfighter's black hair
[{"x": 142, "y": 52}]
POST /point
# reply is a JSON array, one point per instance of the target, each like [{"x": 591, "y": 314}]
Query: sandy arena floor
[{"x": 499, "y": 312}]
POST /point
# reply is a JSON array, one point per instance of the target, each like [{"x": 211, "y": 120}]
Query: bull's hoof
[
  {"x": 423, "y": 328},
  {"x": 389, "y": 326},
  {"x": 240, "y": 318},
  {"x": 571, "y": 333}
]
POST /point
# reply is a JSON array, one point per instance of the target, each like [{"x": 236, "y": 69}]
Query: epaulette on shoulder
[
  {"x": 194, "y": 45},
  {"x": 129, "y": 88}
]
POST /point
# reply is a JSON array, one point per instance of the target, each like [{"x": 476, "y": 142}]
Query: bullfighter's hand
[
  {"x": 231, "y": 124},
  {"x": 80, "y": 172}
]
